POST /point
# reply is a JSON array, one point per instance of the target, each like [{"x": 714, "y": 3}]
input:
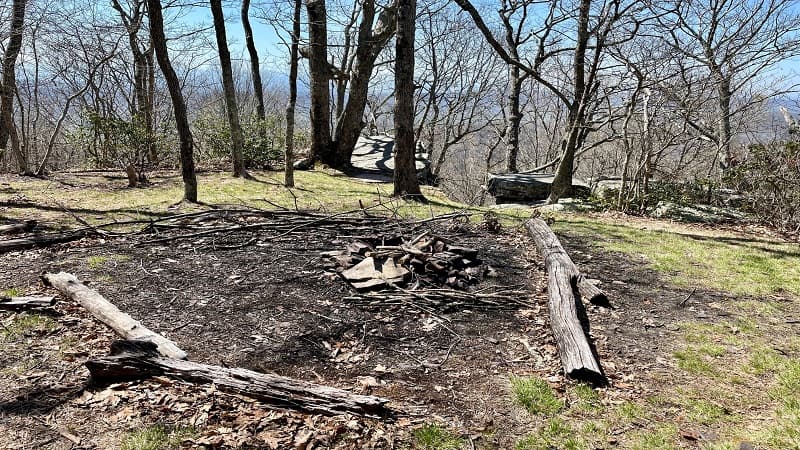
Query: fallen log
[
  {"x": 44, "y": 240},
  {"x": 15, "y": 228},
  {"x": 565, "y": 306},
  {"x": 14, "y": 303},
  {"x": 125, "y": 325},
  {"x": 140, "y": 359}
]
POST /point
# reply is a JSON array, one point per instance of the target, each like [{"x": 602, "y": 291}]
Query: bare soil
[{"x": 272, "y": 306}]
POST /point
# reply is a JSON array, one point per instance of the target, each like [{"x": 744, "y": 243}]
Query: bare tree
[
  {"x": 294, "y": 57},
  {"x": 319, "y": 70},
  {"x": 733, "y": 43},
  {"x": 596, "y": 25},
  {"x": 7, "y": 90},
  {"x": 255, "y": 71},
  {"x": 178, "y": 104},
  {"x": 405, "y": 172},
  {"x": 229, "y": 90}
]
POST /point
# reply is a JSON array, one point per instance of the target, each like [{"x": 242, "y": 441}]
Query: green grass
[
  {"x": 28, "y": 323},
  {"x": 662, "y": 437},
  {"x": 11, "y": 292},
  {"x": 735, "y": 264},
  {"x": 96, "y": 262},
  {"x": 436, "y": 437},
  {"x": 535, "y": 395},
  {"x": 588, "y": 400},
  {"x": 556, "y": 433},
  {"x": 100, "y": 201},
  {"x": 694, "y": 362},
  {"x": 154, "y": 437}
]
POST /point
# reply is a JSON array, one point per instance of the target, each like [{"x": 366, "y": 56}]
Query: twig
[{"x": 683, "y": 303}]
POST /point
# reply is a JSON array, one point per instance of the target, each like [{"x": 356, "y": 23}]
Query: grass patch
[
  {"x": 587, "y": 398},
  {"x": 155, "y": 437},
  {"x": 24, "y": 324},
  {"x": 555, "y": 434},
  {"x": 630, "y": 411},
  {"x": 704, "y": 412},
  {"x": 740, "y": 265},
  {"x": 535, "y": 395},
  {"x": 436, "y": 437},
  {"x": 764, "y": 360},
  {"x": 661, "y": 438},
  {"x": 11, "y": 292},
  {"x": 96, "y": 262},
  {"x": 100, "y": 201},
  {"x": 693, "y": 362}
]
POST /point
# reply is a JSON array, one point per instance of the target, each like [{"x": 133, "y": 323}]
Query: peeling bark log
[
  {"x": 45, "y": 240},
  {"x": 136, "y": 359},
  {"x": 15, "y": 228},
  {"x": 566, "y": 309},
  {"x": 15, "y": 303},
  {"x": 106, "y": 312}
]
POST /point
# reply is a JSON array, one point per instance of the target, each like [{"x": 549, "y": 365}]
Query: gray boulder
[{"x": 522, "y": 188}]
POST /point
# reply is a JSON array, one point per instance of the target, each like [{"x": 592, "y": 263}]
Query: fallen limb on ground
[
  {"x": 123, "y": 324},
  {"x": 565, "y": 292},
  {"x": 43, "y": 240},
  {"x": 140, "y": 359},
  {"x": 26, "y": 302},
  {"x": 21, "y": 227}
]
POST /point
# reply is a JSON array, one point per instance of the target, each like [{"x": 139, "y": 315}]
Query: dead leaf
[{"x": 271, "y": 438}]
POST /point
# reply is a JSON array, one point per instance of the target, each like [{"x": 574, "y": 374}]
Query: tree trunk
[
  {"x": 293, "y": 63},
  {"x": 255, "y": 73},
  {"x": 178, "y": 104},
  {"x": 9, "y": 85},
  {"x": 232, "y": 108},
  {"x": 320, "y": 75},
  {"x": 565, "y": 307},
  {"x": 724, "y": 125},
  {"x": 135, "y": 360},
  {"x": 370, "y": 43},
  {"x": 562, "y": 184},
  {"x": 514, "y": 119},
  {"x": 405, "y": 171},
  {"x": 106, "y": 312}
]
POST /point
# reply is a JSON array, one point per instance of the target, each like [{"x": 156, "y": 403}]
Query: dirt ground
[{"x": 272, "y": 306}]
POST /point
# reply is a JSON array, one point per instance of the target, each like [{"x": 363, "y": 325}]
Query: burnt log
[
  {"x": 45, "y": 240},
  {"x": 565, "y": 306},
  {"x": 16, "y": 228},
  {"x": 140, "y": 359},
  {"x": 15, "y": 303},
  {"x": 123, "y": 324}
]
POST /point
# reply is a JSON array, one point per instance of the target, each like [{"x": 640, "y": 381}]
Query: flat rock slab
[
  {"x": 520, "y": 188},
  {"x": 375, "y": 272},
  {"x": 374, "y": 155},
  {"x": 697, "y": 213}
]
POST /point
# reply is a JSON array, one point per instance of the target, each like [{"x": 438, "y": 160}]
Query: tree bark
[
  {"x": 229, "y": 90},
  {"x": 294, "y": 57},
  {"x": 135, "y": 360},
  {"x": 178, "y": 103},
  {"x": 370, "y": 43},
  {"x": 13, "y": 245},
  {"x": 562, "y": 184},
  {"x": 17, "y": 303},
  {"x": 106, "y": 312},
  {"x": 565, "y": 307},
  {"x": 514, "y": 119},
  {"x": 9, "y": 85},
  {"x": 255, "y": 73},
  {"x": 21, "y": 227},
  {"x": 319, "y": 71},
  {"x": 405, "y": 171}
]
